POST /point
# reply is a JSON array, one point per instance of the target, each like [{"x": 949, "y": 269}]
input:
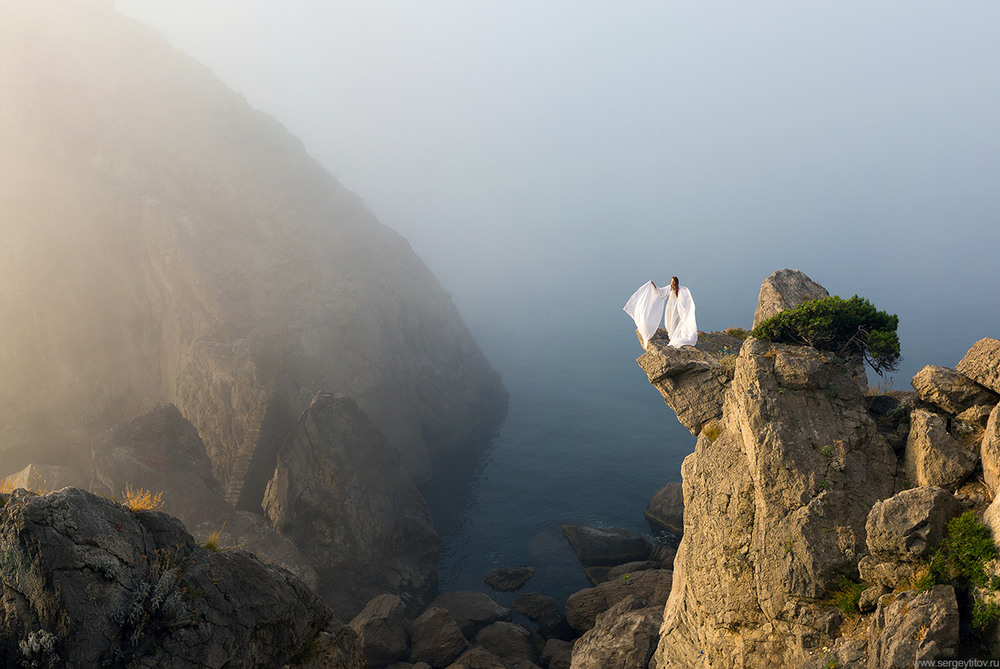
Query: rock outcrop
[
  {"x": 88, "y": 583},
  {"x": 785, "y": 289},
  {"x": 340, "y": 494},
  {"x": 982, "y": 363},
  {"x": 165, "y": 242}
]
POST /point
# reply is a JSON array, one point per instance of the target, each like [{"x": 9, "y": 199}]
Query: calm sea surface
[{"x": 588, "y": 440}]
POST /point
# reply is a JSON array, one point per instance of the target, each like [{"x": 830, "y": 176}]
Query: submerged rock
[
  {"x": 509, "y": 579},
  {"x": 606, "y": 547},
  {"x": 340, "y": 494}
]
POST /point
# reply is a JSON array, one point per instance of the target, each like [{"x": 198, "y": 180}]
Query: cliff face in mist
[{"x": 163, "y": 241}]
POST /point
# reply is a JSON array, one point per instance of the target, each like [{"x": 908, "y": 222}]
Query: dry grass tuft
[{"x": 138, "y": 499}]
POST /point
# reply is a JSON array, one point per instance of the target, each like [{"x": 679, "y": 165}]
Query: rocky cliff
[
  {"x": 165, "y": 242},
  {"x": 804, "y": 483}
]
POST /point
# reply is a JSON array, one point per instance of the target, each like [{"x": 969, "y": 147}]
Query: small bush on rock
[
  {"x": 137, "y": 499},
  {"x": 851, "y": 328},
  {"x": 847, "y": 595}
]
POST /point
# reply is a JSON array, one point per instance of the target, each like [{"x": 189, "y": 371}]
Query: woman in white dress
[
  {"x": 646, "y": 309},
  {"x": 678, "y": 317}
]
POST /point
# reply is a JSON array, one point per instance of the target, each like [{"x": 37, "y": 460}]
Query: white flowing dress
[{"x": 646, "y": 307}]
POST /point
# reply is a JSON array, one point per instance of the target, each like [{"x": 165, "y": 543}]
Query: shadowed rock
[
  {"x": 340, "y": 494},
  {"x": 471, "y": 610},
  {"x": 509, "y": 579},
  {"x": 106, "y": 586},
  {"x": 665, "y": 511},
  {"x": 605, "y": 547}
]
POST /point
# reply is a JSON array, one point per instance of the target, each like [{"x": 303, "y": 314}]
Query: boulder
[
  {"x": 381, "y": 630},
  {"x": 665, "y": 511},
  {"x": 534, "y": 605},
  {"x": 509, "y": 579},
  {"x": 435, "y": 638},
  {"x": 160, "y": 451},
  {"x": 623, "y": 637},
  {"x": 340, "y": 494},
  {"x": 98, "y": 585},
  {"x": 471, "y": 610},
  {"x": 990, "y": 451},
  {"x": 605, "y": 547},
  {"x": 951, "y": 391},
  {"x": 553, "y": 625},
  {"x": 557, "y": 654},
  {"x": 892, "y": 574},
  {"x": 775, "y": 507},
  {"x": 583, "y": 607},
  {"x": 982, "y": 363},
  {"x": 785, "y": 289},
  {"x": 910, "y": 525},
  {"x": 933, "y": 456},
  {"x": 914, "y": 627},
  {"x": 478, "y": 658},
  {"x": 508, "y": 641}
]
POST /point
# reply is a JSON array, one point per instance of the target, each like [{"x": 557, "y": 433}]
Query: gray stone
[
  {"x": 557, "y": 654},
  {"x": 508, "y": 641},
  {"x": 435, "y": 638},
  {"x": 381, "y": 629},
  {"x": 910, "y": 525},
  {"x": 868, "y": 601},
  {"x": 478, "y": 658},
  {"x": 340, "y": 494},
  {"x": 982, "y": 363},
  {"x": 534, "y": 605},
  {"x": 623, "y": 637},
  {"x": 892, "y": 416},
  {"x": 911, "y": 627},
  {"x": 692, "y": 382},
  {"x": 606, "y": 547},
  {"x": 583, "y": 607},
  {"x": 553, "y": 625},
  {"x": 785, "y": 289},
  {"x": 990, "y": 451},
  {"x": 130, "y": 588},
  {"x": 933, "y": 456},
  {"x": 471, "y": 610},
  {"x": 665, "y": 511},
  {"x": 951, "y": 391},
  {"x": 892, "y": 574}
]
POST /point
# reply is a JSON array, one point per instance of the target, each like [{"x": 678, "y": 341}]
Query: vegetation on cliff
[{"x": 849, "y": 328}]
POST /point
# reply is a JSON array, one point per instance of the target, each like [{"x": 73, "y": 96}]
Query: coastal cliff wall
[{"x": 165, "y": 242}]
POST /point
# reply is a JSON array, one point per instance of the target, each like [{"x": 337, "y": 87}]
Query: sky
[{"x": 546, "y": 158}]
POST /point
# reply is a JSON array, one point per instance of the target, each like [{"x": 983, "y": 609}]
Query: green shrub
[
  {"x": 847, "y": 595},
  {"x": 851, "y": 328}
]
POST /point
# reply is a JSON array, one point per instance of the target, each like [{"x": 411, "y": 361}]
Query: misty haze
[{"x": 313, "y": 351}]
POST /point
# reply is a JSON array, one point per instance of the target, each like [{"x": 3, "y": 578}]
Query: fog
[{"x": 545, "y": 159}]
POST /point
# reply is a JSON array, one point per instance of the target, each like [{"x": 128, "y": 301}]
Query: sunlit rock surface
[{"x": 165, "y": 242}]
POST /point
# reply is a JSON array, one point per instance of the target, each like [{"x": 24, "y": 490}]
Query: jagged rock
[
  {"x": 910, "y": 525},
  {"x": 913, "y": 627},
  {"x": 775, "y": 506},
  {"x": 691, "y": 381},
  {"x": 892, "y": 416},
  {"x": 471, "y": 610},
  {"x": 509, "y": 579},
  {"x": 204, "y": 259},
  {"x": 381, "y": 629},
  {"x": 623, "y": 637},
  {"x": 844, "y": 654},
  {"x": 665, "y": 511},
  {"x": 868, "y": 601},
  {"x": 583, "y": 607},
  {"x": 982, "y": 363},
  {"x": 664, "y": 553},
  {"x": 44, "y": 478},
  {"x": 435, "y": 638},
  {"x": 534, "y": 605},
  {"x": 508, "y": 641},
  {"x": 951, "y": 391},
  {"x": 109, "y": 586},
  {"x": 605, "y": 547},
  {"x": 990, "y": 451},
  {"x": 785, "y": 289},
  {"x": 557, "y": 654},
  {"x": 340, "y": 494},
  {"x": 160, "y": 451},
  {"x": 933, "y": 456},
  {"x": 892, "y": 574}
]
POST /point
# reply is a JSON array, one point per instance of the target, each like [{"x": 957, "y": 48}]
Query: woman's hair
[{"x": 675, "y": 283}]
